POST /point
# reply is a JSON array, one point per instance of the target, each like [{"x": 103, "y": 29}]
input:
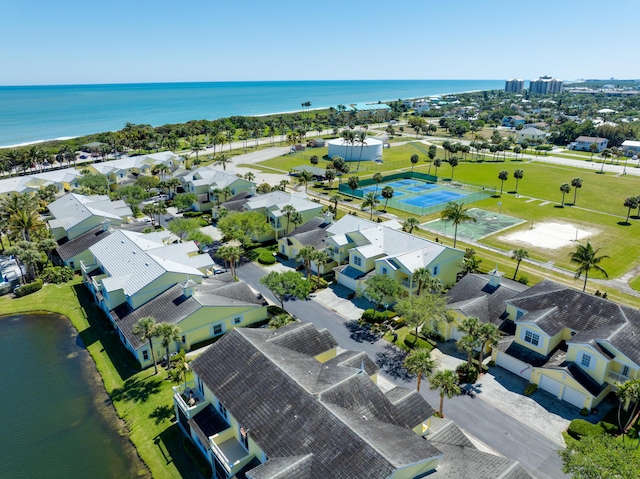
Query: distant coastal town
[{"x": 384, "y": 289}]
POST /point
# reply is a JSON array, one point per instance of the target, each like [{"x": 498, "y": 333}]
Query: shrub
[
  {"x": 192, "y": 214},
  {"x": 376, "y": 317},
  {"x": 579, "y": 428},
  {"x": 28, "y": 288},
  {"x": 584, "y": 411},
  {"x": 530, "y": 389},
  {"x": 6, "y": 289},
  {"x": 56, "y": 274},
  {"x": 273, "y": 310},
  {"x": 523, "y": 280},
  {"x": 609, "y": 428},
  {"x": 412, "y": 342},
  {"x": 266, "y": 257},
  {"x": 492, "y": 363},
  {"x": 467, "y": 373},
  {"x": 314, "y": 281}
]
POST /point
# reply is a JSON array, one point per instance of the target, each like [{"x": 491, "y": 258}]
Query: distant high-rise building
[
  {"x": 515, "y": 85},
  {"x": 545, "y": 85}
]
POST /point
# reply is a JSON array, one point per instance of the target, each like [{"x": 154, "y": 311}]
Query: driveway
[{"x": 480, "y": 418}]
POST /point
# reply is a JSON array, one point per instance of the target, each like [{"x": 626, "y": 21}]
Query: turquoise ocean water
[{"x": 34, "y": 113}]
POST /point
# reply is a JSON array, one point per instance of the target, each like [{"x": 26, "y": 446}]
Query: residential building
[
  {"x": 128, "y": 168},
  {"x": 572, "y": 344},
  {"x": 631, "y": 147},
  {"x": 210, "y": 186},
  {"x": 515, "y": 85},
  {"x": 271, "y": 205},
  {"x": 384, "y": 249},
  {"x": 133, "y": 268},
  {"x": 532, "y": 135},
  {"x": 74, "y": 214},
  {"x": 545, "y": 85},
  {"x": 311, "y": 234},
  {"x": 202, "y": 312},
  {"x": 420, "y": 106},
  {"x": 73, "y": 251},
  {"x": 512, "y": 121},
  {"x": 64, "y": 180},
  {"x": 290, "y": 403},
  {"x": 583, "y": 143}
]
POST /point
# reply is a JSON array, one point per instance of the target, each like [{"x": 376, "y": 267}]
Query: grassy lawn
[{"x": 141, "y": 399}]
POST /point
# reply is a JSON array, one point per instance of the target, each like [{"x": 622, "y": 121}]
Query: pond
[{"x": 57, "y": 419}]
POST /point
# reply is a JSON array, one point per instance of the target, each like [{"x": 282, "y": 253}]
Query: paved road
[{"x": 500, "y": 432}]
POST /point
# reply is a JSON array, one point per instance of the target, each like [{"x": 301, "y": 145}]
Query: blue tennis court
[{"x": 433, "y": 198}]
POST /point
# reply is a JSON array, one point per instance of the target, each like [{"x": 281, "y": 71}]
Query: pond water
[{"x": 57, "y": 421}]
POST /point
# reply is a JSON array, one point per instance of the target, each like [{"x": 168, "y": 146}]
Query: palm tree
[
  {"x": 321, "y": 259},
  {"x": 289, "y": 211},
  {"x": 167, "y": 333},
  {"x": 585, "y": 257},
  {"x": 628, "y": 392},
  {"x": 453, "y": 161},
  {"x": 410, "y": 224},
  {"x": 433, "y": 150},
  {"x": 437, "y": 163},
  {"x": 223, "y": 160},
  {"x": 387, "y": 194},
  {"x": 519, "y": 254},
  {"x": 145, "y": 329},
  {"x": 353, "y": 183},
  {"x": 330, "y": 175},
  {"x": 421, "y": 276},
  {"x": 518, "y": 174},
  {"x": 576, "y": 183},
  {"x": 361, "y": 137},
  {"x": 456, "y": 213},
  {"x": 280, "y": 320},
  {"x": 335, "y": 199},
  {"x": 226, "y": 192},
  {"x": 502, "y": 176},
  {"x": 196, "y": 145},
  {"x": 161, "y": 170},
  {"x": 378, "y": 179},
  {"x": 488, "y": 335},
  {"x": 230, "y": 254},
  {"x": 249, "y": 176},
  {"x": 419, "y": 362},
  {"x": 305, "y": 256},
  {"x": 304, "y": 177},
  {"x": 564, "y": 188},
  {"x": 447, "y": 382},
  {"x": 414, "y": 161},
  {"x": 370, "y": 201},
  {"x": 630, "y": 202}
]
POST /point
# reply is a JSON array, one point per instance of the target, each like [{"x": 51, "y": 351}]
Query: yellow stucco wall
[
  {"x": 409, "y": 472},
  {"x": 597, "y": 365},
  {"x": 543, "y": 344}
]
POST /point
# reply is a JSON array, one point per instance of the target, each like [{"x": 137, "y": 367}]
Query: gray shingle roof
[
  {"x": 296, "y": 414},
  {"x": 81, "y": 243},
  {"x": 172, "y": 306},
  {"x": 311, "y": 233}
]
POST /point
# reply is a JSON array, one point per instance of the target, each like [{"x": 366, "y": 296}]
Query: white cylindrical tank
[{"x": 369, "y": 151}]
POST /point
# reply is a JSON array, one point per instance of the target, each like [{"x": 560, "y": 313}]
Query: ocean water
[{"x": 36, "y": 113}]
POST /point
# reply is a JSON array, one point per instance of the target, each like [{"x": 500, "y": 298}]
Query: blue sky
[{"x": 118, "y": 41}]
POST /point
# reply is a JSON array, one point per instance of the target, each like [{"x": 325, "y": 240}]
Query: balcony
[
  {"x": 231, "y": 454},
  {"x": 406, "y": 283},
  {"x": 614, "y": 378},
  {"x": 189, "y": 399}
]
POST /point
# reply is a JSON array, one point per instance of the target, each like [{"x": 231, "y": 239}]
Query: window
[
  {"x": 282, "y": 249},
  {"x": 586, "y": 360},
  {"x": 145, "y": 355},
  {"x": 625, "y": 371},
  {"x": 217, "y": 329},
  {"x": 71, "y": 265},
  {"x": 237, "y": 320},
  {"x": 357, "y": 261},
  {"x": 183, "y": 339},
  {"x": 519, "y": 314},
  {"x": 531, "y": 337},
  {"x": 435, "y": 270},
  {"x": 222, "y": 409},
  {"x": 385, "y": 271}
]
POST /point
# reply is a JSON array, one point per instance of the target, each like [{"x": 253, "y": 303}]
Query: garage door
[
  {"x": 348, "y": 282},
  {"x": 573, "y": 396},
  {"x": 457, "y": 335},
  {"x": 550, "y": 385},
  {"x": 514, "y": 365}
]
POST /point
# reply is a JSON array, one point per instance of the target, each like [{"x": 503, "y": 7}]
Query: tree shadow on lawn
[
  {"x": 391, "y": 361},
  {"x": 360, "y": 333},
  {"x": 100, "y": 329},
  {"x": 136, "y": 389},
  {"x": 170, "y": 441},
  {"x": 162, "y": 413},
  {"x": 624, "y": 223}
]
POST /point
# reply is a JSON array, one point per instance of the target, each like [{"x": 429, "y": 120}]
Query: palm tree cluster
[
  {"x": 309, "y": 255},
  {"x": 147, "y": 330}
]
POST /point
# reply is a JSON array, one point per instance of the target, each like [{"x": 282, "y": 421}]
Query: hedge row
[
  {"x": 579, "y": 428},
  {"x": 28, "y": 288},
  {"x": 412, "y": 342},
  {"x": 266, "y": 257},
  {"x": 376, "y": 317}
]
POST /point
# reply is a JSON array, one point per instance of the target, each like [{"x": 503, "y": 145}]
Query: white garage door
[
  {"x": 573, "y": 396},
  {"x": 514, "y": 365},
  {"x": 550, "y": 385},
  {"x": 348, "y": 282}
]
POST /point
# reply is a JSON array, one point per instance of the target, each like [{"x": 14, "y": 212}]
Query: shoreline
[{"x": 261, "y": 115}]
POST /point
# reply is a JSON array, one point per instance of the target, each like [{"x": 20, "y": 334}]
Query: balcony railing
[
  {"x": 189, "y": 399},
  {"x": 616, "y": 378},
  {"x": 410, "y": 286},
  {"x": 229, "y": 451}
]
